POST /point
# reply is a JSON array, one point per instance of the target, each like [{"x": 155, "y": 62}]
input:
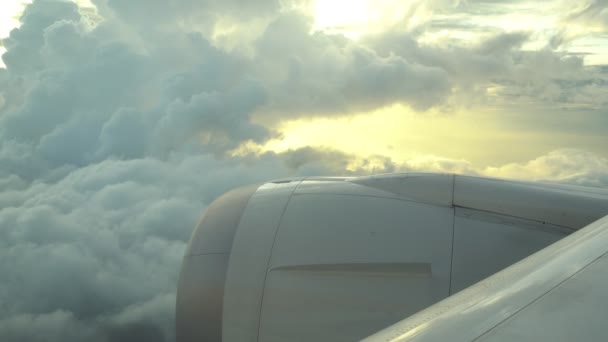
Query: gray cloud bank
[{"x": 114, "y": 127}]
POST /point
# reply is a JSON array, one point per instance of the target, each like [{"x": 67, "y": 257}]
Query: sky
[{"x": 121, "y": 120}]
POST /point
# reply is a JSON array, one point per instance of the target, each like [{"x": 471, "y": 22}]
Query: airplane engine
[{"x": 337, "y": 259}]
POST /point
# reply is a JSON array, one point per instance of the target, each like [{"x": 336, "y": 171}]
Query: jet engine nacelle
[{"x": 337, "y": 259}]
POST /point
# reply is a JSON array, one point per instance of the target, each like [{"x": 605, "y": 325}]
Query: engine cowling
[{"x": 337, "y": 259}]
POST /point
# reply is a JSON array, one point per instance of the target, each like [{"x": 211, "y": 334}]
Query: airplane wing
[{"x": 557, "y": 294}]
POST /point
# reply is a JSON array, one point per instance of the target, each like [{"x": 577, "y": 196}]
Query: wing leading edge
[{"x": 557, "y": 294}]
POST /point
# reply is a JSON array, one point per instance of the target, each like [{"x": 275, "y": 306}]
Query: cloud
[
  {"x": 592, "y": 13},
  {"x": 53, "y": 327},
  {"x": 23, "y": 45},
  {"x": 320, "y": 74},
  {"x": 498, "y": 71},
  {"x": 319, "y": 161},
  {"x": 94, "y": 81},
  {"x": 315, "y": 161},
  {"x": 565, "y": 166},
  {"x": 159, "y": 12},
  {"x": 100, "y": 248},
  {"x": 501, "y": 54},
  {"x": 571, "y": 166}
]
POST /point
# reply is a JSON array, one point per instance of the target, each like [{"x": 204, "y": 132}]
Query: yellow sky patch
[{"x": 401, "y": 134}]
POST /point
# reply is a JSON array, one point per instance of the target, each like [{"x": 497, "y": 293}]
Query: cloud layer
[{"x": 117, "y": 126}]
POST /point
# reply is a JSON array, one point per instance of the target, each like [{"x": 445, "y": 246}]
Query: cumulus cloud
[
  {"x": 100, "y": 248},
  {"x": 321, "y": 74},
  {"x": 570, "y": 166},
  {"x": 308, "y": 160},
  {"x": 116, "y": 125},
  {"x": 94, "y": 80},
  {"x": 111, "y": 144},
  {"x": 565, "y": 166}
]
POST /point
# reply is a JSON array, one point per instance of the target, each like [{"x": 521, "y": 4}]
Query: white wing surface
[{"x": 557, "y": 294}]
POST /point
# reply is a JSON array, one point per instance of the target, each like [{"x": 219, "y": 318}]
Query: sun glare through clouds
[
  {"x": 10, "y": 11},
  {"x": 354, "y": 18},
  {"x": 347, "y": 15},
  {"x": 438, "y": 34}
]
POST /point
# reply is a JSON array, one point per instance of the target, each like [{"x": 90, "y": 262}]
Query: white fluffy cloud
[{"x": 566, "y": 166}]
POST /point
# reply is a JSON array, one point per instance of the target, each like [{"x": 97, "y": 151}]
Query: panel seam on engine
[
  {"x": 453, "y": 236},
  {"x": 274, "y": 239}
]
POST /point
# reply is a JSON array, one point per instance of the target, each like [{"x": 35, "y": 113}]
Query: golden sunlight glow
[
  {"x": 341, "y": 13},
  {"x": 403, "y": 135},
  {"x": 10, "y": 10},
  {"x": 394, "y": 131}
]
